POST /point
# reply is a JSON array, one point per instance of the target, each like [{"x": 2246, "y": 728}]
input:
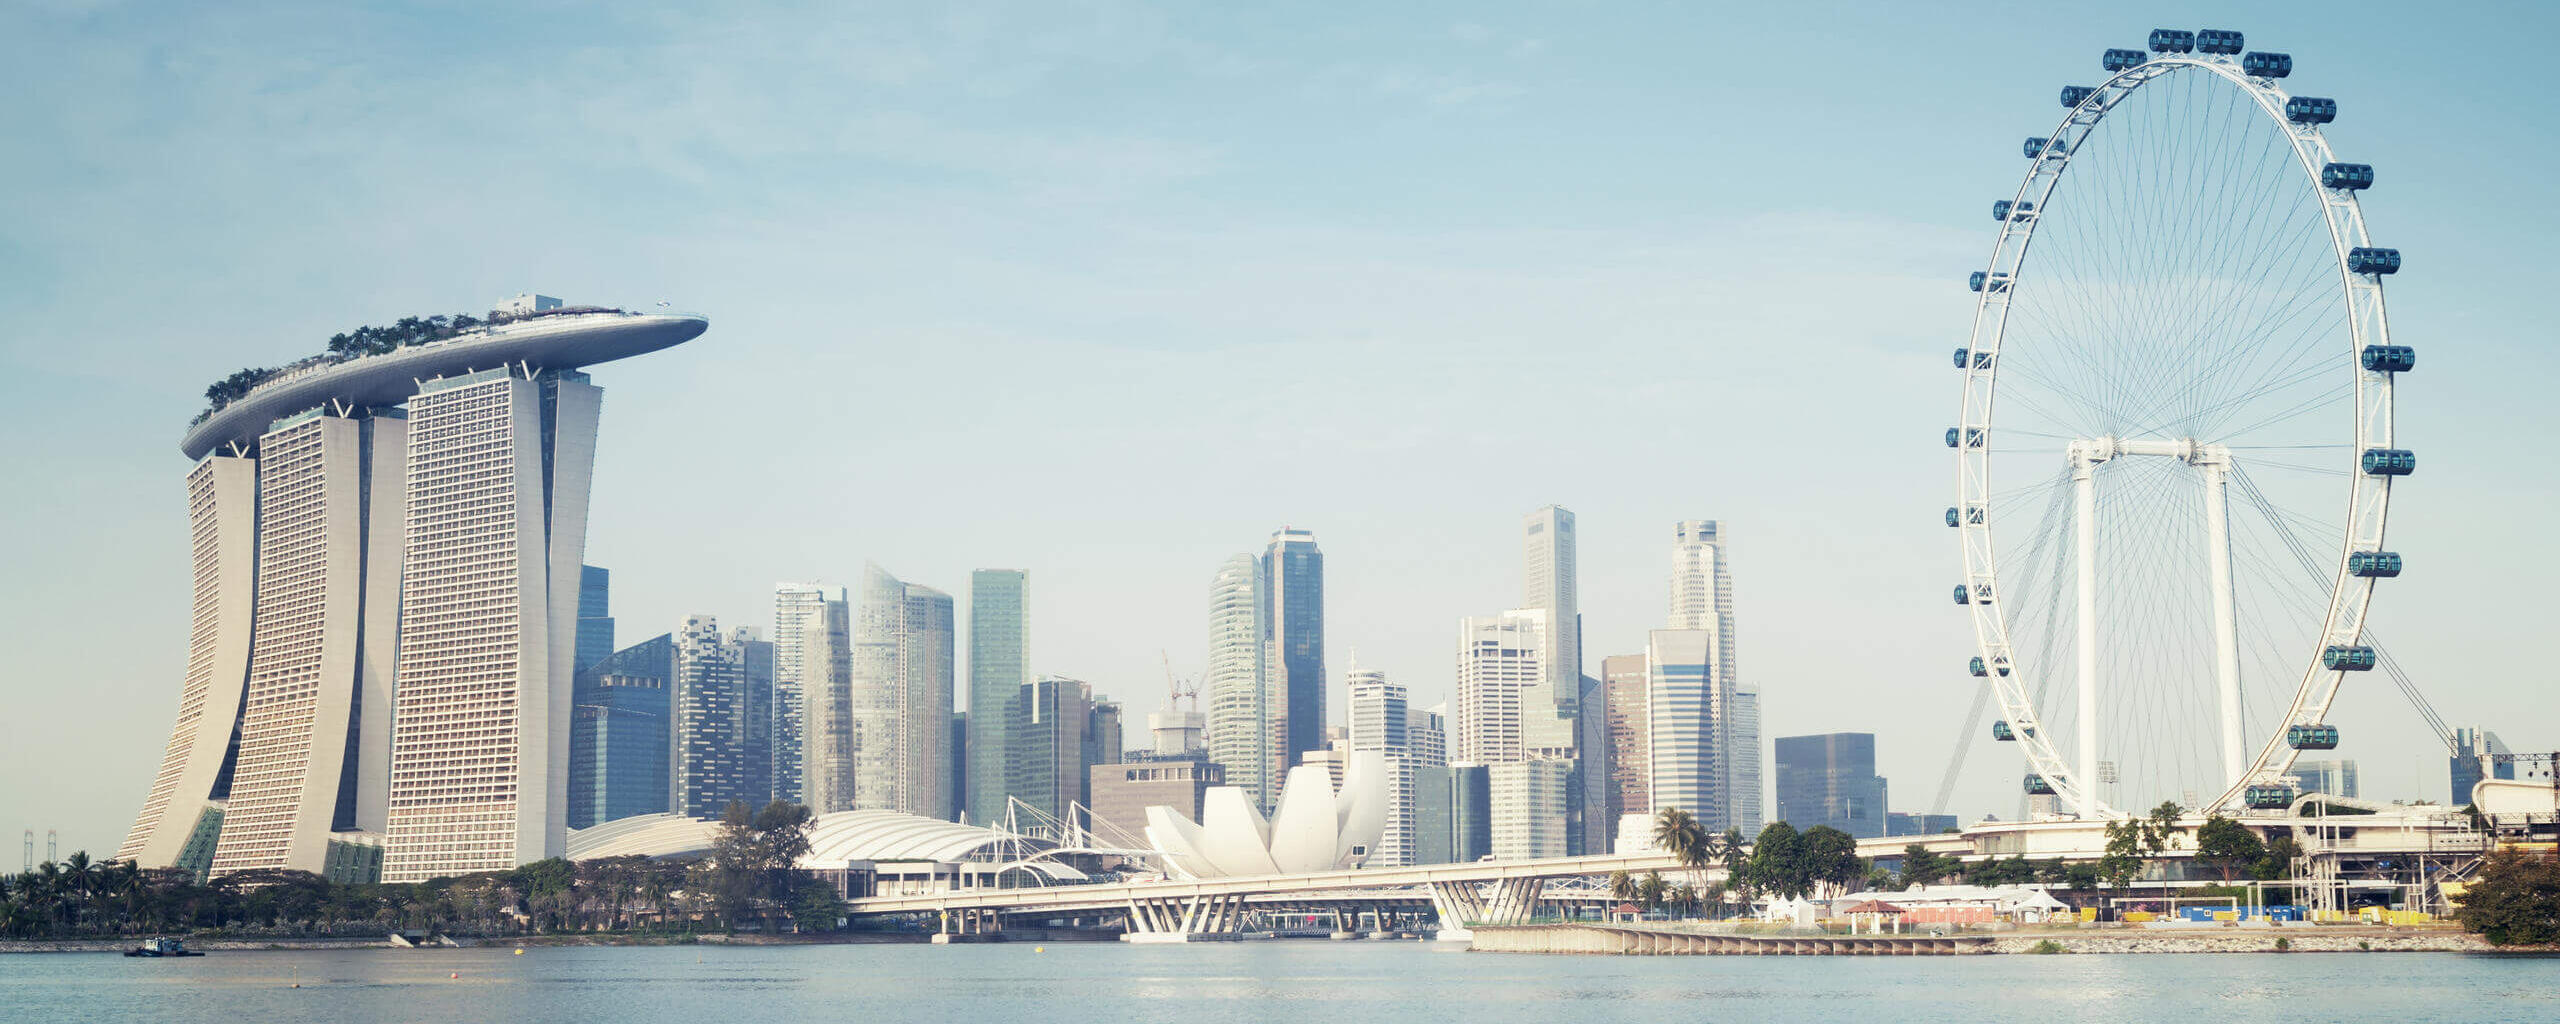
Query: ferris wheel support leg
[
  {"x": 2226, "y": 627},
  {"x": 2084, "y": 487}
]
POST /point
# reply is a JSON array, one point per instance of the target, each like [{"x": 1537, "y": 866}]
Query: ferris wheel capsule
[
  {"x": 2366, "y": 259},
  {"x": 2118, "y": 60},
  {"x": 2222, "y": 42},
  {"x": 2171, "y": 40},
  {"x": 2390, "y": 358},
  {"x": 2311, "y": 110},
  {"x": 2267, "y": 65},
  {"x": 2073, "y": 94}
]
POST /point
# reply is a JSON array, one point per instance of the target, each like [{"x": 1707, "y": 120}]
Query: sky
[{"x": 1110, "y": 291}]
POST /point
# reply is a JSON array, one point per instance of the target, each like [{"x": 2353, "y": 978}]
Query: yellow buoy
[
  {"x": 1039, "y": 949},
  {"x": 519, "y": 950}
]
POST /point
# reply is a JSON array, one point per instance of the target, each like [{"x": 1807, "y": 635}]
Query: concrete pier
[{"x": 1635, "y": 940}]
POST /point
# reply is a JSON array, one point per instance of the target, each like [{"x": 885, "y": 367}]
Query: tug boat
[{"x": 162, "y": 946}]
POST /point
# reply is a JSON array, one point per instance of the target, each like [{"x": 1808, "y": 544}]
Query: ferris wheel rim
[{"x": 2368, "y": 496}]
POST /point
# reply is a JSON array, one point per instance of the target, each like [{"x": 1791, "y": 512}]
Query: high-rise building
[
  {"x": 430, "y": 648},
  {"x": 1897, "y": 823},
  {"x": 1470, "y": 812},
  {"x": 595, "y": 616},
  {"x": 1527, "y": 801},
  {"x": 822, "y": 662},
  {"x": 1501, "y": 664},
  {"x": 2477, "y": 755},
  {"x": 1426, "y": 734},
  {"x": 794, "y": 604},
  {"x": 1831, "y": 780},
  {"x": 1548, "y": 710},
  {"x": 718, "y": 740},
  {"x": 756, "y": 663},
  {"x": 314, "y": 733},
  {"x": 1122, "y": 792},
  {"x": 1681, "y": 733},
  {"x": 1702, "y": 598},
  {"x": 1628, "y": 688},
  {"x": 1048, "y": 745},
  {"x": 929, "y": 639},
  {"x": 1380, "y": 721},
  {"x": 618, "y": 738},
  {"x": 1247, "y": 710},
  {"x": 999, "y": 668},
  {"x": 1293, "y": 575},
  {"x": 901, "y": 696},
  {"x": 2335, "y": 778}
]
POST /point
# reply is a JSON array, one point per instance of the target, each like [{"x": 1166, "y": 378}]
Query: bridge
[{"x": 1459, "y": 895}]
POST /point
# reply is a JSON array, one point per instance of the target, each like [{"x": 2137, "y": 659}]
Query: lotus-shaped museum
[{"x": 1316, "y": 828}]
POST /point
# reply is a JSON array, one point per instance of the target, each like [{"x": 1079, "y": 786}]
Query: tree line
[
  {"x": 749, "y": 880},
  {"x": 363, "y": 341}
]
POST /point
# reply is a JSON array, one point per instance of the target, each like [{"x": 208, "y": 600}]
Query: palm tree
[
  {"x": 1651, "y": 890},
  {"x": 1622, "y": 886}
]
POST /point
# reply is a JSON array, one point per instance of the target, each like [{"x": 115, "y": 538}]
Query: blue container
[
  {"x": 2218, "y": 40},
  {"x": 2366, "y": 259},
  {"x": 2390, "y": 358},
  {"x": 2357, "y": 177},
  {"x": 2267, "y": 65},
  {"x": 2172, "y": 40}
]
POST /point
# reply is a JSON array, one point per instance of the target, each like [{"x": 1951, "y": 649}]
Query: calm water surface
[{"x": 1290, "y": 982}]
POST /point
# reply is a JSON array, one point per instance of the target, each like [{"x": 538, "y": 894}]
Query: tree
[
  {"x": 1920, "y": 866},
  {"x": 2227, "y": 845},
  {"x": 1622, "y": 886},
  {"x": 1829, "y": 860},
  {"x": 1777, "y": 862},
  {"x": 2516, "y": 901},
  {"x": 1650, "y": 891},
  {"x": 2123, "y": 859}
]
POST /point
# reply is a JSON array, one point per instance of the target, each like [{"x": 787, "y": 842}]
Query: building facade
[
  {"x": 1501, "y": 663},
  {"x": 1628, "y": 686},
  {"x": 1702, "y": 598},
  {"x": 822, "y": 662},
  {"x": 2477, "y": 754},
  {"x": 1681, "y": 727},
  {"x": 618, "y": 734},
  {"x": 1122, "y": 792},
  {"x": 1293, "y": 578},
  {"x": 1550, "y": 706},
  {"x": 719, "y": 728},
  {"x": 2333, "y": 777},
  {"x": 999, "y": 668},
  {"x": 1247, "y": 710},
  {"x": 1527, "y": 804},
  {"x": 794, "y": 604},
  {"x": 901, "y": 695},
  {"x": 1831, "y": 780}
]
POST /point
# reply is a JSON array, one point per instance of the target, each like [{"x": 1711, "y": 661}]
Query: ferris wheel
[{"x": 2173, "y": 529}]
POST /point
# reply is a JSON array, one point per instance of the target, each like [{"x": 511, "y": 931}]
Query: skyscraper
[
  {"x": 1380, "y": 721},
  {"x": 595, "y": 616},
  {"x": 1428, "y": 782},
  {"x": 2333, "y": 777},
  {"x": 314, "y": 734},
  {"x": 1831, "y": 780},
  {"x": 1527, "y": 799},
  {"x": 718, "y": 738},
  {"x": 999, "y": 667},
  {"x": 1293, "y": 573},
  {"x": 618, "y": 739},
  {"x": 426, "y": 622},
  {"x": 2477, "y": 755},
  {"x": 1702, "y": 598},
  {"x": 1548, "y": 712},
  {"x": 1048, "y": 745},
  {"x": 901, "y": 696},
  {"x": 1247, "y": 712},
  {"x": 1680, "y": 726},
  {"x": 927, "y": 643},
  {"x": 823, "y": 662},
  {"x": 794, "y": 604},
  {"x": 1628, "y": 689},
  {"x": 1501, "y": 668}
]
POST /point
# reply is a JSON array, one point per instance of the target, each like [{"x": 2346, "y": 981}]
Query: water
[{"x": 1291, "y": 982}]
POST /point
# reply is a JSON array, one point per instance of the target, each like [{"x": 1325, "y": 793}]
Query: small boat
[{"x": 162, "y": 946}]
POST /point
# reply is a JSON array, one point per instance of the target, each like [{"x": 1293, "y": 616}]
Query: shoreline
[{"x": 1590, "y": 940}]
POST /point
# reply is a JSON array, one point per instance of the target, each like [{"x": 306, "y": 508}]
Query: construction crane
[{"x": 1178, "y": 689}]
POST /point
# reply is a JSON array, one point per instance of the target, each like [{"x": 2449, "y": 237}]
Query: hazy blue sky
[{"x": 1110, "y": 291}]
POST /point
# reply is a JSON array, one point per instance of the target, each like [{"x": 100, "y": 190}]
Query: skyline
[{"x": 1442, "y": 316}]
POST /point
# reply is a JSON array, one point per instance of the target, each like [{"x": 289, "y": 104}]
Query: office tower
[
  {"x": 1174, "y": 733},
  {"x": 879, "y": 692},
  {"x": 1588, "y": 802},
  {"x": 2335, "y": 778},
  {"x": 314, "y": 734},
  {"x": 1702, "y": 598},
  {"x": 999, "y": 667},
  {"x": 1122, "y": 792},
  {"x": 794, "y": 604},
  {"x": 1627, "y": 689},
  {"x": 1548, "y": 711},
  {"x": 184, "y": 809},
  {"x": 1048, "y": 745},
  {"x": 1103, "y": 739},
  {"x": 1831, "y": 780},
  {"x": 1527, "y": 801},
  {"x": 823, "y": 663},
  {"x": 1680, "y": 726},
  {"x": 2477, "y": 755},
  {"x": 755, "y": 659},
  {"x": 956, "y": 782},
  {"x": 595, "y": 616},
  {"x": 718, "y": 748},
  {"x": 1470, "y": 812},
  {"x": 1378, "y": 713},
  {"x": 1501, "y": 665},
  {"x": 928, "y": 640},
  {"x": 1293, "y": 575},
  {"x": 1426, "y": 734},
  {"x": 618, "y": 734},
  {"x": 1246, "y": 708},
  {"x": 1380, "y": 721},
  {"x": 467, "y": 591}
]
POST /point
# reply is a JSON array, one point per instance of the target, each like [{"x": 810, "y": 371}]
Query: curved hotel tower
[{"x": 387, "y": 555}]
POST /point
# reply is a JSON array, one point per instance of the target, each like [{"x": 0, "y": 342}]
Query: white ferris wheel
[{"x": 2173, "y": 528}]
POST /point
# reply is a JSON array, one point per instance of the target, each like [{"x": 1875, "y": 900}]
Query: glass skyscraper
[
  {"x": 1831, "y": 780},
  {"x": 1293, "y": 573},
  {"x": 999, "y": 668},
  {"x": 618, "y": 738},
  {"x": 1246, "y": 706}
]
